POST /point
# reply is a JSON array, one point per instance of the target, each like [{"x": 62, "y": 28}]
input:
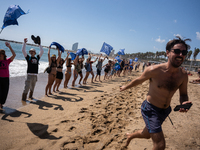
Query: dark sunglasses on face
[{"x": 178, "y": 51}]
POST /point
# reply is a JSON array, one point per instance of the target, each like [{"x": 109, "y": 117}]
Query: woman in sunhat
[
  {"x": 53, "y": 63},
  {"x": 4, "y": 73}
]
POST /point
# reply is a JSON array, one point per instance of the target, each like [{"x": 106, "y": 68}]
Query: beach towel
[{"x": 60, "y": 47}]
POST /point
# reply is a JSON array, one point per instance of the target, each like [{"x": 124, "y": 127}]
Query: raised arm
[
  {"x": 82, "y": 59},
  {"x": 24, "y": 47},
  {"x": 76, "y": 60},
  {"x": 41, "y": 51},
  {"x": 100, "y": 57},
  {"x": 95, "y": 60},
  {"x": 59, "y": 57},
  {"x": 49, "y": 58},
  {"x": 89, "y": 55},
  {"x": 12, "y": 51},
  {"x": 67, "y": 56}
]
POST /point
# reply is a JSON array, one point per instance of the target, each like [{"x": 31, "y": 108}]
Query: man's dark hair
[{"x": 173, "y": 42}]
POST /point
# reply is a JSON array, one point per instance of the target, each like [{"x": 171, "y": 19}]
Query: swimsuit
[
  {"x": 78, "y": 68},
  {"x": 107, "y": 69},
  {"x": 154, "y": 116},
  {"x": 59, "y": 75}
]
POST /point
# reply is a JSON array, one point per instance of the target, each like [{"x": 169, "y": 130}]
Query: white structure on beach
[{"x": 75, "y": 46}]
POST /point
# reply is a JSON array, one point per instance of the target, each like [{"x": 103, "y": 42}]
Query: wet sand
[{"x": 17, "y": 86}]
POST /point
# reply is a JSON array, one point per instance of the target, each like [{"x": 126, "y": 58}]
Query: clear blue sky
[{"x": 136, "y": 25}]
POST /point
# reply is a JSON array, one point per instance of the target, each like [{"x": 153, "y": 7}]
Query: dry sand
[{"x": 96, "y": 117}]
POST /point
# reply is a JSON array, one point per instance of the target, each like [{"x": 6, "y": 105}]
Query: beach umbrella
[
  {"x": 12, "y": 14},
  {"x": 121, "y": 52},
  {"x": 82, "y": 52},
  {"x": 60, "y": 47},
  {"x": 106, "y": 48}
]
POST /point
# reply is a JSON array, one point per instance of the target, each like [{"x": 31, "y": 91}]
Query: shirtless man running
[{"x": 165, "y": 79}]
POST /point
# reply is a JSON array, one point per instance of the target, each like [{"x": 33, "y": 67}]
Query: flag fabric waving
[
  {"x": 130, "y": 61},
  {"x": 73, "y": 56},
  {"x": 60, "y": 47},
  {"x": 82, "y": 52},
  {"x": 136, "y": 59},
  {"x": 118, "y": 59},
  {"x": 121, "y": 52},
  {"x": 13, "y": 12},
  {"x": 106, "y": 48}
]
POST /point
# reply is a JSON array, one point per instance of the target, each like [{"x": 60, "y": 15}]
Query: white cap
[{"x": 32, "y": 49}]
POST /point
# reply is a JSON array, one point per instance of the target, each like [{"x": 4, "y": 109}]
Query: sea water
[{"x": 19, "y": 65}]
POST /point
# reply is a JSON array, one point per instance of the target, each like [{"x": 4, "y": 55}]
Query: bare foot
[
  {"x": 57, "y": 91},
  {"x": 128, "y": 139},
  {"x": 50, "y": 94},
  {"x": 46, "y": 95},
  {"x": 100, "y": 81}
]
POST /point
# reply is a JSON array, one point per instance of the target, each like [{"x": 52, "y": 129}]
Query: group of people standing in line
[{"x": 55, "y": 73}]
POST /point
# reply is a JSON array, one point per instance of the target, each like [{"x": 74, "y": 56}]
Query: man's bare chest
[{"x": 169, "y": 83}]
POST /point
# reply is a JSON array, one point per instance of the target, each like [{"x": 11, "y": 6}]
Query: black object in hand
[{"x": 185, "y": 106}]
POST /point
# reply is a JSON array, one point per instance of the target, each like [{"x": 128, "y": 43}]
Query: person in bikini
[
  {"x": 165, "y": 79},
  {"x": 32, "y": 68},
  {"x": 59, "y": 75},
  {"x": 68, "y": 70},
  {"x": 78, "y": 65},
  {"x": 4, "y": 73},
  {"x": 53, "y": 63}
]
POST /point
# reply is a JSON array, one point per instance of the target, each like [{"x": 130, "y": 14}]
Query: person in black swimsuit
[
  {"x": 53, "y": 63},
  {"x": 68, "y": 70},
  {"x": 107, "y": 69},
  {"x": 78, "y": 69},
  {"x": 59, "y": 75}
]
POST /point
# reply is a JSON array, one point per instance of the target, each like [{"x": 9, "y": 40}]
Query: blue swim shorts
[{"x": 154, "y": 116}]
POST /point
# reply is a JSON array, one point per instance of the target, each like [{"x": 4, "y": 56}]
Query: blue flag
[
  {"x": 13, "y": 12},
  {"x": 117, "y": 67},
  {"x": 60, "y": 47},
  {"x": 73, "y": 56},
  {"x": 106, "y": 48},
  {"x": 118, "y": 59},
  {"x": 136, "y": 59},
  {"x": 121, "y": 52},
  {"x": 82, "y": 52},
  {"x": 130, "y": 61}
]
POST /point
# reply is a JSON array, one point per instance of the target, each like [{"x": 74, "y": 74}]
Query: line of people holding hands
[{"x": 55, "y": 70}]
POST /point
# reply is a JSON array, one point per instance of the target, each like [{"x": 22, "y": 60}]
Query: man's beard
[{"x": 175, "y": 65}]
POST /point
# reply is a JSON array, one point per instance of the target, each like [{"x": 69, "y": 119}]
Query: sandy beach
[{"x": 96, "y": 117}]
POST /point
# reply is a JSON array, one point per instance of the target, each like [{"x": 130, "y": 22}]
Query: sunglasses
[{"x": 178, "y": 51}]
